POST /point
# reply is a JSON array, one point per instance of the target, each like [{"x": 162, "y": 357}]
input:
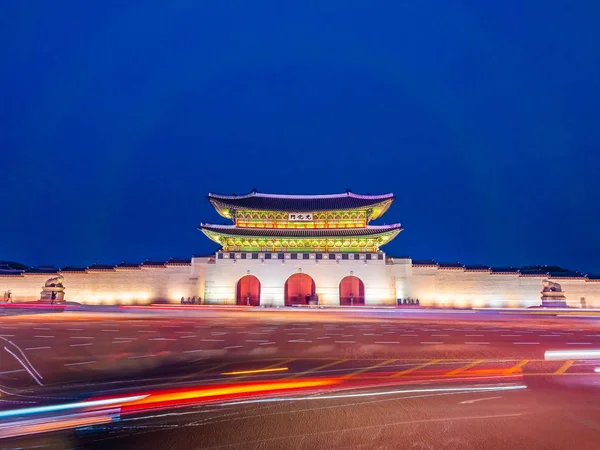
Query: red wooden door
[
  {"x": 297, "y": 287},
  {"x": 352, "y": 291},
  {"x": 248, "y": 291}
]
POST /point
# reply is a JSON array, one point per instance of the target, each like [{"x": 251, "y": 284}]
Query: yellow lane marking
[
  {"x": 412, "y": 369},
  {"x": 463, "y": 368},
  {"x": 250, "y": 372},
  {"x": 366, "y": 369},
  {"x": 316, "y": 369},
  {"x": 564, "y": 367},
  {"x": 515, "y": 367}
]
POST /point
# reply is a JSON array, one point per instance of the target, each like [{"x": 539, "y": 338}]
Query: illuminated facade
[
  {"x": 300, "y": 223},
  {"x": 300, "y": 249},
  {"x": 284, "y": 250}
]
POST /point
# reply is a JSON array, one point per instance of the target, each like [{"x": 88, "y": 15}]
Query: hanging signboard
[{"x": 300, "y": 217}]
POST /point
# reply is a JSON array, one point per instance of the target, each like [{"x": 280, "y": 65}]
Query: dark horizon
[{"x": 117, "y": 119}]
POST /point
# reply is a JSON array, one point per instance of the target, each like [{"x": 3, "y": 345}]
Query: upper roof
[{"x": 257, "y": 201}]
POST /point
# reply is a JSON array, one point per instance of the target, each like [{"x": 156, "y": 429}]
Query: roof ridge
[{"x": 300, "y": 196}]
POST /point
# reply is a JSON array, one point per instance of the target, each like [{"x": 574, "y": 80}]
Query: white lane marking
[
  {"x": 439, "y": 335},
  {"x": 525, "y": 343},
  {"x": 82, "y": 337},
  {"x": 193, "y": 351},
  {"x": 7, "y": 335},
  {"x": 112, "y": 331},
  {"x": 141, "y": 356},
  {"x": 510, "y": 335},
  {"x": 162, "y": 339},
  {"x": 324, "y": 337},
  {"x": 74, "y": 329},
  {"x": 36, "y": 348},
  {"x": 299, "y": 340},
  {"x": 121, "y": 342},
  {"x": 43, "y": 336},
  {"x": 42, "y": 329},
  {"x": 467, "y": 402},
  {"x": 212, "y": 340},
  {"x": 387, "y": 342},
  {"x": 579, "y": 343},
  {"x": 344, "y": 342},
  {"x": 270, "y": 343},
  {"x": 473, "y": 335},
  {"x": 9, "y": 328},
  {"x": 431, "y": 342},
  {"x": 128, "y": 338},
  {"x": 476, "y": 343},
  {"x": 257, "y": 340},
  {"x": 81, "y": 345},
  {"x": 146, "y": 331},
  {"x": 188, "y": 336},
  {"x": 233, "y": 346},
  {"x": 79, "y": 363},
  {"x": 404, "y": 335}
]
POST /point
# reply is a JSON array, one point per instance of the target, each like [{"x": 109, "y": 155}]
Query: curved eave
[
  {"x": 223, "y": 209},
  {"x": 379, "y": 209},
  {"x": 383, "y": 237}
]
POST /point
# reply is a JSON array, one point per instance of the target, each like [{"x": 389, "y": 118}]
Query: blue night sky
[{"x": 118, "y": 117}]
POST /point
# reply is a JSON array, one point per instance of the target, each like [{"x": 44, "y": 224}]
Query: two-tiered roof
[{"x": 275, "y": 222}]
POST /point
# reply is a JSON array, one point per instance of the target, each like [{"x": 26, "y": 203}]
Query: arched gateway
[
  {"x": 248, "y": 291},
  {"x": 352, "y": 291},
  {"x": 298, "y": 289}
]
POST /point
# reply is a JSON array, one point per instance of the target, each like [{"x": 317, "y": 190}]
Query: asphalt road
[{"x": 75, "y": 354}]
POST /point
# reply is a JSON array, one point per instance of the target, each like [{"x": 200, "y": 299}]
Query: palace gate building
[{"x": 285, "y": 250}]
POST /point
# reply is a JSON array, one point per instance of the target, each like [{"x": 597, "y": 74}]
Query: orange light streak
[{"x": 183, "y": 395}]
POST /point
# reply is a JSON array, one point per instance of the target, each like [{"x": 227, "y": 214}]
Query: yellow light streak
[{"x": 250, "y": 372}]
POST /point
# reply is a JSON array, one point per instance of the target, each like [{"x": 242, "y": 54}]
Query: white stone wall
[
  {"x": 461, "y": 288},
  {"x": 215, "y": 281},
  {"x": 121, "y": 286},
  {"x": 222, "y": 278}
]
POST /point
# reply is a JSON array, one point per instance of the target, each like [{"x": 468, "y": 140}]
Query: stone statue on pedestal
[
  {"x": 553, "y": 295},
  {"x": 53, "y": 290}
]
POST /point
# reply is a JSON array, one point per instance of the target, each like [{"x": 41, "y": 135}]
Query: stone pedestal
[
  {"x": 52, "y": 294},
  {"x": 554, "y": 299}
]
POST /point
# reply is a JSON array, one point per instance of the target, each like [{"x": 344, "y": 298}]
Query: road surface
[{"x": 423, "y": 379}]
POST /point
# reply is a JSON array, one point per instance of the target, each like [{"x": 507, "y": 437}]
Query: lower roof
[{"x": 232, "y": 230}]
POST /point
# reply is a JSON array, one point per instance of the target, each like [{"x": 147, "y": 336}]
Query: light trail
[
  {"x": 24, "y": 367},
  {"x": 24, "y": 357},
  {"x": 251, "y": 372},
  {"x": 67, "y": 406},
  {"x": 558, "y": 355},
  {"x": 373, "y": 394},
  {"x": 179, "y": 397}
]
